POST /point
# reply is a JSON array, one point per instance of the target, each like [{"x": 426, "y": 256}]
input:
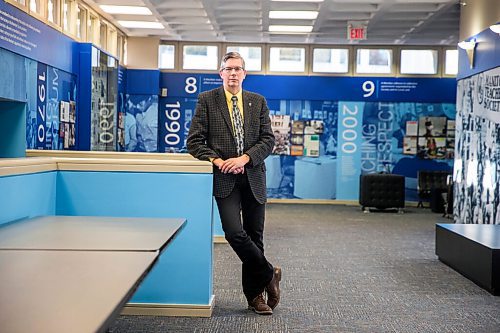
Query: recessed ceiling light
[
  {"x": 293, "y": 14},
  {"x": 290, "y": 28},
  {"x": 141, "y": 24},
  {"x": 131, "y": 10}
]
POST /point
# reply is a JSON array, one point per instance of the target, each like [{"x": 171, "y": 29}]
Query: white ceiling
[{"x": 411, "y": 22}]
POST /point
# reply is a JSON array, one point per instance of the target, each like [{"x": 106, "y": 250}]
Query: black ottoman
[{"x": 382, "y": 191}]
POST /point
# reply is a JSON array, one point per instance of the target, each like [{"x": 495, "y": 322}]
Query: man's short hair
[{"x": 231, "y": 55}]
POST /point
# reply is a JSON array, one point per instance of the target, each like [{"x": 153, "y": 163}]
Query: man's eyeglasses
[{"x": 230, "y": 69}]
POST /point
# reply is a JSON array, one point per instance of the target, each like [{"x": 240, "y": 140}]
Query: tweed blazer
[{"x": 211, "y": 136}]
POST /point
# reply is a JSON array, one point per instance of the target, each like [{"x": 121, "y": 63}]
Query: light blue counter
[{"x": 182, "y": 277}]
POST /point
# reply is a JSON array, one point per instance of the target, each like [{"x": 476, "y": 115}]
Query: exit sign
[{"x": 356, "y": 30}]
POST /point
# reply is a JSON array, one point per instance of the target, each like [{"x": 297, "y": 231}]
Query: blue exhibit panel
[
  {"x": 369, "y": 89},
  {"x": 27, "y": 195},
  {"x": 142, "y": 82},
  {"x": 84, "y": 96},
  {"x": 363, "y": 119},
  {"x": 13, "y": 69},
  {"x": 29, "y": 37},
  {"x": 349, "y": 145},
  {"x": 183, "y": 274}
]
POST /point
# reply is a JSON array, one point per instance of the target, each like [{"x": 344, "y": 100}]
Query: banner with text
[{"x": 350, "y": 140}]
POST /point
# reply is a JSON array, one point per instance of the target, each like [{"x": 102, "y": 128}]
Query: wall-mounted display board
[
  {"x": 296, "y": 138},
  {"x": 51, "y": 116},
  {"x": 140, "y": 111},
  {"x": 430, "y": 137},
  {"x": 477, "y": 168},
  {"x": 141, "y": 123}
]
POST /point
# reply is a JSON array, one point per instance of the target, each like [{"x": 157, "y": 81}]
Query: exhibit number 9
[{"x": 368, "y": 88}]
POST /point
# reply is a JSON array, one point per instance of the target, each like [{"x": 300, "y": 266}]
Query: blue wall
[
  {"x": 27, "y": 195},
  {"x": 12, "y": 129},
  {"x": 183, "y": 274}
]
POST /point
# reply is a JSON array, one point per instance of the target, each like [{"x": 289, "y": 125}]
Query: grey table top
[
  {"x": 89, "y": 233},
  {"x": 485, "y": 234},
  {"x": 67, "y": 291}
]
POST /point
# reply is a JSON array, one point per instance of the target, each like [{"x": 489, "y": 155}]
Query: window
[
  {"x": 69, "y": 16},
  {"x": 451, "y": 62},
  {"x": 93, "y": 35},
  {"x": 166, "y": 57},
  {"x": 419, "y": 61},
  {"x": 20, "y": 2},
  {"x": 330, "y": 60},
  {"x": 200, "y": 57},
  {"x": 374, "y": 61},
  {"x": 287, "y": 59},
  {"x": 251, "y": 54},
  {"x": 81, "y": 23},
  {"x": 54, "y": 11},
  {"x": 120, "y": 47},
  {"x": 103, "y": 35},
  {"x": 36, "y": 7},
  {"x": 112, "y": 40}
]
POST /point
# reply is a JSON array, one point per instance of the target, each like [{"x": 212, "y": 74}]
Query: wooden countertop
[{"x": 107, "y": 161}]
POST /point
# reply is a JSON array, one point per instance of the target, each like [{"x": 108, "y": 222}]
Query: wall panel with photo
[
  {"x": 430, "y": 137},
  {"x": 477, "y": 166}
]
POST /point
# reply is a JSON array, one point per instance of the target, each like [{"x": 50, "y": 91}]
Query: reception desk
[{"x": 181, "y": 282}]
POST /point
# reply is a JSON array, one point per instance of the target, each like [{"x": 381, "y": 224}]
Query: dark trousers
[{"x": 242, "y": 220}]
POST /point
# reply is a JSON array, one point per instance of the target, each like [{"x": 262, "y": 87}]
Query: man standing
[{"x": 232, "y": 129}]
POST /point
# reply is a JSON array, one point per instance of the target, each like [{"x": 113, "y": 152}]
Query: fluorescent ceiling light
[
  {"x": 290, "y": 28},
  {"x": 141, "y": 24},
  {"x": 467, "y": 45},
  {"x": 293, "y": 14},
  {"x": 495, "y": 28},
  {"x": 130, "y": 10}
]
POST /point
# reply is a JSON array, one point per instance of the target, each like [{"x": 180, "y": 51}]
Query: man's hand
[{"x": 233, "y": 165}]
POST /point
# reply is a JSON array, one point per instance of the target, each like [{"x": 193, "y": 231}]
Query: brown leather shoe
[
  {"x": 259, "y": 306},
  {"x": 273, "y": 289}
]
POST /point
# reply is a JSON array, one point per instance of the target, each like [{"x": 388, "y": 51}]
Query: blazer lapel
[{"x": 222, "y": 106}]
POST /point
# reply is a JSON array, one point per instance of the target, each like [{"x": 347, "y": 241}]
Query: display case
[{"x": 98, "y": 86}]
